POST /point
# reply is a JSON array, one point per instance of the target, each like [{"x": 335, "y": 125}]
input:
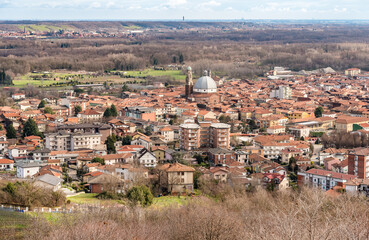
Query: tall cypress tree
[
  {"x": 113, "y": 111},
  {"x": 30, "y": 128},
  {"x": 42, "y": 104},
  {"x": 110, "y": 144},
  {"x": 107, "y": 113},
  {"x": 5, "y": 79},
  {"x": 10, "y": 131}
]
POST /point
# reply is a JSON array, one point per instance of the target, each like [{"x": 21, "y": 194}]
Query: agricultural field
[
  {"x": 13, "y": 224},
  {"x": 176, "y": 74},
  {"x": 43, "y": 27},
  {"x": 61, "y": 78}
]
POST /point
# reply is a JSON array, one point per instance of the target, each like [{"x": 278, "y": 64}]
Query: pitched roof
[
  {"x": 6, "y": 161},
  {"x": 104, "y": 178},
  {"x": 49, "y": 179},
  {"x": 176, "y": 167},
  {"x": 331, "y": 174}
]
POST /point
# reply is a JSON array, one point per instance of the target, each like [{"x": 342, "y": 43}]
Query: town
[
  {"x": 284, "y": 130},
  {"x": 183, "y": 129}
]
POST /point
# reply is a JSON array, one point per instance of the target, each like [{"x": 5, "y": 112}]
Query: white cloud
[
  {"x": 210, "y": 4},
  {"x": 95, "y": 5},
  {"x": 195, "y": 9},
  {"x": 175, "y": 3},
  {"x": 340, "y": 10},
  {"x": 134, "y": 7}
]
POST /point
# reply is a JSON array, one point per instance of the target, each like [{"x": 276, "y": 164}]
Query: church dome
[{"x": 205, "y": 84}]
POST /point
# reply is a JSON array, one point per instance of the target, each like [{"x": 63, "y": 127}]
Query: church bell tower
[{"x": 189, "y": 82}]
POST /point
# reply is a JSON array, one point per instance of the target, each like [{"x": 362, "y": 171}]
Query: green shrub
[{"x": 140, "y": 195}]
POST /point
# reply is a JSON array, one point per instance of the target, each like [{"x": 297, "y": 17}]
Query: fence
[{"x": 75, "y": 208}]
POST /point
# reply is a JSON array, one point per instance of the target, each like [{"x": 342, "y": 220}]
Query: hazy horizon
[{"x": 141, "y": 10}]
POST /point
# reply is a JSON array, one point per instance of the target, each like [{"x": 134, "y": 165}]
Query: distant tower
[
  {"x": 209, "y": 74},
  {"x": 189, "y": 82},
  {"x": 183, "y": 18}
]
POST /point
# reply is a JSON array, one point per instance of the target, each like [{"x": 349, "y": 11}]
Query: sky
[{"x": 176, "y": 9}]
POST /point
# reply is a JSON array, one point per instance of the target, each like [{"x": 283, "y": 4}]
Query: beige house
[
  {"x": 346, "y": 123},
  {"x": 168, "y": 134},
  {"x": 276, "y": 130},
  {"x": 219, "y": 173},
  {"x": 176, "y": 178},
  {"x": 89, "y": 116}
]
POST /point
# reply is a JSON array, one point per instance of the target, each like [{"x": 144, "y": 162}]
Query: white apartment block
[
  {"x": 72, "y": 141},
  {"x": 283, "y": 92}
]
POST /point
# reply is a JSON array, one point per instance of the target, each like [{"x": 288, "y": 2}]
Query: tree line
[{"x": 233, "y": 58}]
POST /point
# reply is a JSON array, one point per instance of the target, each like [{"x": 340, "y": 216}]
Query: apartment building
[
  {"x": 358, "y": 162},
  {"x": 220, "y": 135},
  {"x": 72, "y": 141},
  {"x": 104, "y": 129},
  {"x": 189, "y": 136},
  {"x": 71, "y": 102},
  {"x": 283, "y": 92},
  {"x": 323, "y": 179},
  {"x": 204, "y": 134}
]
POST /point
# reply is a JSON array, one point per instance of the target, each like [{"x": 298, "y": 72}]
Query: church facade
[{"x": 204, "y": 91}]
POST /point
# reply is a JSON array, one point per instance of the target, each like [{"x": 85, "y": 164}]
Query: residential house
[
  {"x": 323, "y": 179},
  {"x": 168, "y": 134},
  {"x": 27, "y": 170},
  {"x": 221, "y": 156},
  {"x": 6, "y": 164},
  {"x": 147, "y": 158},
  {"x": 41, "y": 154},
  {"x": 176, "y": 178},
  {"x": 276, "y": 130},
  {"x": 48, "y": 181},
  {"x": 89, "y": 116},
  {"x": 105, "y": 182}
]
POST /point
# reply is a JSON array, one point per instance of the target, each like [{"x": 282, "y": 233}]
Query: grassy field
[
  {"x": 177, "y": 74},
  {"x": 167, "y": 201},
  {"x": 84, "y": 198},
  {"x": 43, "y": 28},
  {"x": 64, "y": 77},
  {"x": 132, "y": 27},
  {"x": 24, "y": 83},
  {"x": 13, "y": 224}
]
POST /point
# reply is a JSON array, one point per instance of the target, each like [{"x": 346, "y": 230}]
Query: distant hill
[{"x": 112, "y": 25}]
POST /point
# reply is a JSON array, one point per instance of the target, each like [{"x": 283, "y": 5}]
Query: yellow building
[
  {"x": 272, "y": 121},
  {"x": 159, "y": 153},
  {"x": 298, "y": 115}
]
